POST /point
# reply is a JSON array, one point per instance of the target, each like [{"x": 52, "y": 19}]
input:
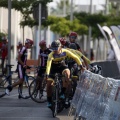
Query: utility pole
[
  {"x": 39, "y": 32},
  {"x": 64, "y": 8},
  {"x": 90, "y": 32},
  {"x": 71, "y": 11},
  {"x": 9, "y": 32},
  {"x": 106, "y": 7}
]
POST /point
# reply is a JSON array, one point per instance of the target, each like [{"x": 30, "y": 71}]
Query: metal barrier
[{"x": 96, "y": 98}]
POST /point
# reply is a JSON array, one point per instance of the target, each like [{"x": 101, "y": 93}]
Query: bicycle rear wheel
[
  {"x": 23, "y": 90},
  {"x": 3, "y": 85},
  {"x": 38, "y": 94}
]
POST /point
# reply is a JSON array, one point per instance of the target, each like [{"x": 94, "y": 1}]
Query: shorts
[
  {"x": 41, "y": 71},
  {"x": 57, "y": 68},
  {"x": 21, "y": 71}
]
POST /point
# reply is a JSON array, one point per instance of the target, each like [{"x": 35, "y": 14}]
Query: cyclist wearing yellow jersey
[
  {"x": 73, "y": 49},
  {"x": 54, "y": 65}
]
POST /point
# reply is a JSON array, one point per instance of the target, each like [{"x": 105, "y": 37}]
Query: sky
[{"x": 81, "y": 2}]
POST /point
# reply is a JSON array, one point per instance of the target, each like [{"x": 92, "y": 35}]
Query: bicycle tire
[
  {"x": 3, "y": 85},
  {"x": 55, "y": 102},
  {"x": 37, "y": 95},
  {"x": 24, "y": 90}
]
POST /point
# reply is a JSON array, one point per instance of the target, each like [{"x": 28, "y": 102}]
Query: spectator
[
  {"x": 4, "y": 53},
  {"x": 91, "y": 55}
]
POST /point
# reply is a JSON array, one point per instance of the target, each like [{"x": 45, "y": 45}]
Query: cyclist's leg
[
  {"x": 49, "y": 91},
  {"x": 39, "y": 78},
  {"x": 65, "y": 71},
  {"x": 66, "y": 80},
  {"x": 21, "y": 74}
]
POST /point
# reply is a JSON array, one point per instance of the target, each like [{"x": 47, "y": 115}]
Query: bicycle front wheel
[
  {"x": 23, "y": 89},
  {"x": 37, "y": 94}
]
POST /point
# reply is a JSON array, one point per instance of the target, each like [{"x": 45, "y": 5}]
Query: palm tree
[{"x": 62, "y": 8}]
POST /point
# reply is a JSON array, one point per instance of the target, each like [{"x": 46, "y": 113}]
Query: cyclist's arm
[
  {"x": 70, "y": 54},
  {"x": 85, "y": 59},
  {"x": 49, "y": 61}
]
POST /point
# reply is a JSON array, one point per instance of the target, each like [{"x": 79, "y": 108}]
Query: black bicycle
[
  {"x": 22, "y": 89},
  {"x": 37, "y": 90},
  {"x": 58, "y": 104}
]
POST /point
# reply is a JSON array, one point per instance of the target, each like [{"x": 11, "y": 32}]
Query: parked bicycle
[{"x": 22, "y": 91}]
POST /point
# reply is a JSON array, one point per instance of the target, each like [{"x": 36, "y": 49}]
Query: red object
[
  {"x": 29, "y": 41},
  {"x": 42, "y": 43},
  {"x": 73, "y": 34},
  {"x": 62, "y": 40},
  {"x": 0, "y": 45},
  {"x": 4, "y": 51}
]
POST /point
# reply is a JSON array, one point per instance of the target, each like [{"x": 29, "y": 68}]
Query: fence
[{"x": 97, "y": 98}]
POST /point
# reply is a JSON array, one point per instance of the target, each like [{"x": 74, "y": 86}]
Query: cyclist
[
  {"x": 73, "y": 48},
  {"x": 42, "y": 60},
  {"x": 54, "y": 65},
  {"x": 72, "y": 38},
  {"x": 22, "y": 58}
]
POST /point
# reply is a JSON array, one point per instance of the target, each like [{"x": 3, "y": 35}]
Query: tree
[{"x": 26, "y": 9}]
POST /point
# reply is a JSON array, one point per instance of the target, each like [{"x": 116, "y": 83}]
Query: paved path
[{"x": 12, "y": 108}]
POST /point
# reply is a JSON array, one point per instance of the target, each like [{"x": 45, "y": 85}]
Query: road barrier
[
  {"x": 96, "y": 98},
  {"x": 109, "y": 68}
]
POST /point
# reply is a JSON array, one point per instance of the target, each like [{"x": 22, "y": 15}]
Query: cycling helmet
[
  {"x": 55, "y": 44},
  {"x": 19, "y": 43},
  {"x": 73, "y": 34},
  {"x": 62, "y": 40},
  {"x": 73, "y": 46},
  {"x": 42, "y": 43},
  {"x": 29, "y": 41}
]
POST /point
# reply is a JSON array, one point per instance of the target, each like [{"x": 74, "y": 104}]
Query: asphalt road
[{"x": 12, "y": 108}]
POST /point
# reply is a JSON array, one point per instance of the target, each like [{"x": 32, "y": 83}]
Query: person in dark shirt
[
  {"x": 42, "y": 61},
  {"x": 72, "y": 38},
  {"x": 22, "y": 58}
]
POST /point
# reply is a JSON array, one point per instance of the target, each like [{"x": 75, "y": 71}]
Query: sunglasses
[
  {"x": 73, "y": 37},
  {"x": 55, "y": 48}
]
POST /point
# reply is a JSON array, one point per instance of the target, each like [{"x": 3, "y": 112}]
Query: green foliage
[
  {"x": 2, "y": 35},
  {"x": 63, "y": 27}
]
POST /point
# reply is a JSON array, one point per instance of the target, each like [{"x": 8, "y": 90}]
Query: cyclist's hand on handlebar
[
  {"x": 82, "y": 68},
  {"x": 25, "y": 66}
]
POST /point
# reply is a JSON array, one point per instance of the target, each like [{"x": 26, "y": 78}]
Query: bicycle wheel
[
  {"x": 38, "y": 94},
  {"x": 3, "y": 85},
  {"x": 55, "y": 103},
  {"x": 23, "y": 89}
]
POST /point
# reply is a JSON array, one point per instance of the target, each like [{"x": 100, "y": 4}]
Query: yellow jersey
[
  {"x": 79, "y": 54},
  {"x": 57, "y": 58}
]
